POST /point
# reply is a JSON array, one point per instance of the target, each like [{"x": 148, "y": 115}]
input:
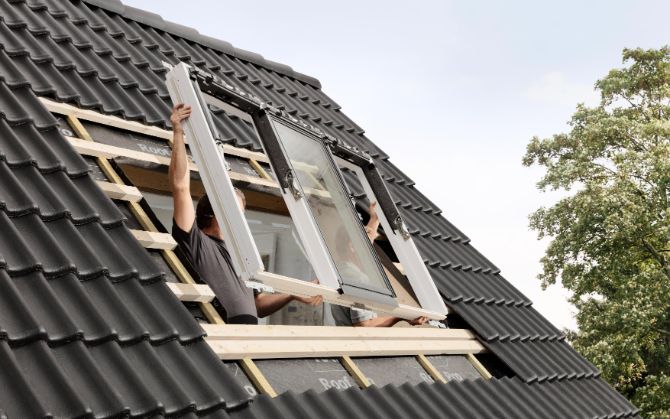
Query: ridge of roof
[{"x": 156, "y": 21}]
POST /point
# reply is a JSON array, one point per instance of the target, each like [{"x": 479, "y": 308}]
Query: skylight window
[{"x": 307, "y": 167}]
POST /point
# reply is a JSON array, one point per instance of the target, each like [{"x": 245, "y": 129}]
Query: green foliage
[{"x": 610, "y": 237}]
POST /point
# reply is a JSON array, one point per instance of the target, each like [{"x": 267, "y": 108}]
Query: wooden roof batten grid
[{"x": 245, "y": 343}]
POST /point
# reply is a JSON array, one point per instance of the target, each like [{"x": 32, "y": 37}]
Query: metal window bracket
[
  {"x": 399, "y": 226},
  {"x": 292, "y": 185}
]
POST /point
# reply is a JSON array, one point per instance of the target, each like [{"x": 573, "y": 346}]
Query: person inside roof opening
[
  {"x": 349, "y": 316},
  {"x": 198, "y": 235}
]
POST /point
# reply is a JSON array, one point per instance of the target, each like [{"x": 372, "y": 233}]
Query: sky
[{"x": 453, "y": 91}]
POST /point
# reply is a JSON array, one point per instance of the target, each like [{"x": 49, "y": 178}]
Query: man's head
[{"x": 204, "y": 214}]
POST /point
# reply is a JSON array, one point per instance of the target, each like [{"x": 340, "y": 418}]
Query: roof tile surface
[{"x": 504, "y": 398}]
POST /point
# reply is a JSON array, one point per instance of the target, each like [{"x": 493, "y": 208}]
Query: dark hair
[{"x": 204, "y": 212}]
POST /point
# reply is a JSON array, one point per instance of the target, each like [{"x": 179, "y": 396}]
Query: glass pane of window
[
  {"x": 282, "y": 253},
  {"x": 332, "y": 210}
]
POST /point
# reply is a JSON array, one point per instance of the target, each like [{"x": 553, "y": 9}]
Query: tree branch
[{"x": 658, "y": 256}]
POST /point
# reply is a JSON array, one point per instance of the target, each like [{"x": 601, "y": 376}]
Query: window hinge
[
  {"x": 271, "y": 109},
  {"x": 293, "y": 185},
  {"x": 219, "y": 146},
  {"x": 399, "y": 226},
  {"x": 259, "y": 286}
]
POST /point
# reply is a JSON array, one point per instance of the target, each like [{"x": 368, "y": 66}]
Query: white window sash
[{"x": 246, "y": 259}]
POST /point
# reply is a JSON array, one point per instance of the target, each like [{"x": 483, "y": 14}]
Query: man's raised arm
[{"x": 180, "y": 178}]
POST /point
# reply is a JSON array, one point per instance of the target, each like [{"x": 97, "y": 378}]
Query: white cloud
[{"x": 554, "y": 88}]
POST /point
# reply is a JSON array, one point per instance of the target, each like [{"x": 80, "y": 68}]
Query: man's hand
[
  {"x": 418, "y": 321},
  {"x": 179, "y": 113},
  {"x": 314, "y": 300},
  {"x": 373, "y": 223}
]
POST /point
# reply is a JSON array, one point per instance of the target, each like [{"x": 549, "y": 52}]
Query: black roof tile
[
  {"x": 26, "y": 190},
  {"x": 543, "y": 360},
  {"x": 431, "y": 225},
  {"x": 16, "y": 108},
  {"x": 391, "y": 173},
  {"x": 506, "y": 322},
  {"x": 476, "y": 287},
  {"x": 448, "y": 254},
  {"x": 408, "y": 197},
  {"x": 109, "y": 379},
  {"x": 44, "y": 149},
  {"x": 504, "y": 398}
]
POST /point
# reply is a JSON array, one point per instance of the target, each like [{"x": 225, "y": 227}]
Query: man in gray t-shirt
[
  {"x": 198, "y": 234},
  {"x": 209, "y": 257}
]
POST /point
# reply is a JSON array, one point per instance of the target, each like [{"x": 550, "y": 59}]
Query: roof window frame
[{"x": 189, "y": 85}]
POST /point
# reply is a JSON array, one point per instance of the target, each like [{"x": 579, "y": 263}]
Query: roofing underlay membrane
[{"x": 87, "y": 324}]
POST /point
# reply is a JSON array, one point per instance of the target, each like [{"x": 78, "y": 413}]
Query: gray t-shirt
[
  {"x": 211, "y": 260},
  {"x": 347, "y": 316}
]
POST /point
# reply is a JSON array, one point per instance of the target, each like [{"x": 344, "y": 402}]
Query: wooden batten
[
  {"x": 112, "y": 121},
  {"x": 120, "y": 192},
  {"x": 274, "y": 332},
  {"x": 256, "y": 376},
  {"x": 479, "y": 367},
  {"x": 430, "y": 368},
  {"x": 192, "y": 292},
  {"x": 269, "y": 342},
  {"x": 355, "y": 372},
  {"x": 154, "y": 239}
]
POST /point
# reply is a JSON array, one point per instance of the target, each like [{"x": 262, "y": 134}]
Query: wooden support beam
[
  {"x": 329, "y": 333},
  {"x": 256, "y": 376},
  {"x": 430, "y": 368},
  {"x": 106, "y": 151},
  {"x": 244, "y": 153},
  {"x": 192, "y": 292},
  {"x": 265, "y": 342},
  {"x": 241, "y": 177},
  {"x": 479, "y": 367},
  {"x": 112, "y": 121},
  {"x": 259, "y": 169},
  {"x": 355, "y": 372},
  {"x": 120, "y": 192},
  {"x": 154, "y": 239}
]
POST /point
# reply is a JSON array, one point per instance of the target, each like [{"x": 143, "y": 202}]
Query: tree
[{"x": 610, "y": 237}]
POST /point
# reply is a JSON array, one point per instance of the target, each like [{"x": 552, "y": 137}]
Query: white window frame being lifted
[{"x": 186, "y": 85}]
